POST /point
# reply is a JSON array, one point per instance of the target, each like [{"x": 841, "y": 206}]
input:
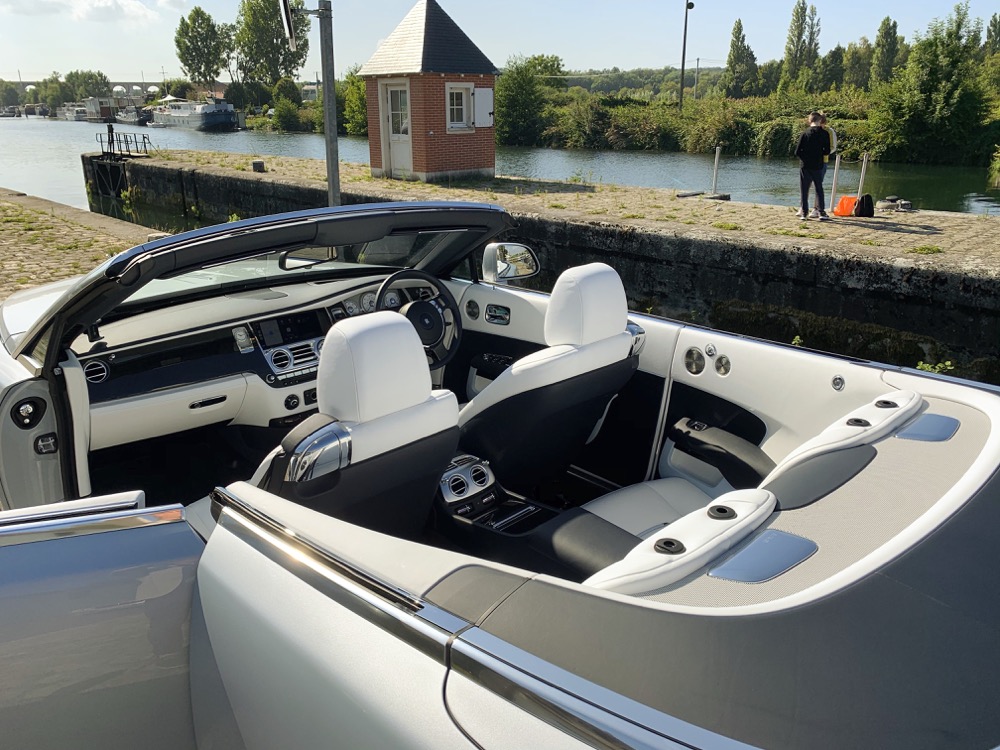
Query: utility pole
[
  {"x": 680, "y": 98},
  {"x": 325, "y": 14}
]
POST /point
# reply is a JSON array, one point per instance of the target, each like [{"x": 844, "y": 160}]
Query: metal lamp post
[
  {"x": 324, "y": 13},
  {"x": 687, "y": 6}
]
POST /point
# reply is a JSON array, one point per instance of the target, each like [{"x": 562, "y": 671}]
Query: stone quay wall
[{"x": 828, "y": 297}]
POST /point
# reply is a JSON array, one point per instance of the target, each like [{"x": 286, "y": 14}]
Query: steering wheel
[{"x": 429, "y": 316}]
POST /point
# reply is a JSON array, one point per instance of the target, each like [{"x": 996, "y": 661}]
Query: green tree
[
  {"x": 858, "y": 63},
  {"x": 885, "y": 51},
  {"x": 201, "y": 47},
  {"x": 355, "y": 103},
  {"x": 768, "y": 77},
  {"x": 84, "y": 83},
  {"x": 812, "y": 39},
  {"x": 795, "y": 46},
  {"x": 934, "y": 110},
  {"x": 519, "y": 102},
  {"x": 740, "y": 78},
  {"x": 179, "y": 87},
  {"x": 8, "y": 94},
  {"x": 261, "y": 45},
  {"x": 830, "y": 70},
  {"x": 285, "y": 88},
  {"x": 992, "y": 45},
  {"x": 54, "y": 92},
  {"x": 286, "y": 116}
]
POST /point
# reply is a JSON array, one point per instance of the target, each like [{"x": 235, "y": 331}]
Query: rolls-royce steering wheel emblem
[{"x": 427, "y": 321}]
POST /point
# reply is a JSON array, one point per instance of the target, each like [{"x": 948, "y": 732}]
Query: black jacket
[{"x": 814, "y": 144}]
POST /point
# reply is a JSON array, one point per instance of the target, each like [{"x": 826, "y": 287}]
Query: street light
[
  {"x": 680, "y": 99},
  {"x": 325, "y": 14}
]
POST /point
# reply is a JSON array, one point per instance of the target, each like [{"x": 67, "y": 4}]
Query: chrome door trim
[
  {"x": 424, "y": 626},
  {"x": 56, "y": 526},
  {"x": 591, "y": 713}
]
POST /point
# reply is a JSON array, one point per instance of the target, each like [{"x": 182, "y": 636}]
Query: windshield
[{"x": 277, "y": 267}]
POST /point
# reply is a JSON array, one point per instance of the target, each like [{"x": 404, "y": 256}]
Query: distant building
[{"x": 429, "y": 91}]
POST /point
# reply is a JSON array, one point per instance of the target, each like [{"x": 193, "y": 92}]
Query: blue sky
[{"x": 133, "y": 39}]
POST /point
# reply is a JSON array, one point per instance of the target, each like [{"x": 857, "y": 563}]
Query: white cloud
[
  {"x": 171, "y": 4},
  {"x": 129, "y": 12}
]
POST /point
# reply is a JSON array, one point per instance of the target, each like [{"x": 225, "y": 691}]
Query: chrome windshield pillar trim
[
  {"x": 638, "y": 337},
  {"x": 592, "y": 713},
  {"x": 54, "y": 526},
  {"x": 424, "y": 626},
  {"x": 325, "y": 451}
]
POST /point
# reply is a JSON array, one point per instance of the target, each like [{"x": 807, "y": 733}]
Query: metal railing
[{"x": 121, "y": 145}]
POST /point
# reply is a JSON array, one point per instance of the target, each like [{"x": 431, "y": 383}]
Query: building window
[{"x": 459, "y": 100}]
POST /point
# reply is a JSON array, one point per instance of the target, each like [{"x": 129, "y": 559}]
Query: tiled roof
[{"x": 427, "y": 41}]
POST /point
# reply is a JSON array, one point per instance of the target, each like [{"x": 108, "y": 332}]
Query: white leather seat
[
  {"x": 645, "y": 508},
  {"x": 536, "y": 415},
  {"x": 374, "y": 383}
]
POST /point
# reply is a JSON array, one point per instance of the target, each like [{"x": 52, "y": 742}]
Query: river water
[{"x": 42, "y": 157}]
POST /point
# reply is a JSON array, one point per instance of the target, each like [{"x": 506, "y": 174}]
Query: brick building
[{"x": 429, "y": 91}]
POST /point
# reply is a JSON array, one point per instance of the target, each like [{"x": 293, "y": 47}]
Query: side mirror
[{"x": 503, "y": 261}]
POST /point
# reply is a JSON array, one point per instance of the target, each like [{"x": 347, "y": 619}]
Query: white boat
[
  {"x": 212, "y": 114},
  {"x": 74, "y": 113}
]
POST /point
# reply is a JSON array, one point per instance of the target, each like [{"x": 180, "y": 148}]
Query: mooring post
[
  {"x": 715, "y": 172},
  {"x": 833, "y": 188}
]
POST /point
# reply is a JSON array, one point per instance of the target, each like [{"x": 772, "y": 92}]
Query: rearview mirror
[
  {"x": 503, "y": 261},
  {"x": 304, "y": 257}
]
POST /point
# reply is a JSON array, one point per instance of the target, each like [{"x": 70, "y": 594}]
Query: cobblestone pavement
[{"x": 41, "y": 241}]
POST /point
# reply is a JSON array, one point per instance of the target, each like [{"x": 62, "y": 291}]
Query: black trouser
[{"x": 809, "y": 177}]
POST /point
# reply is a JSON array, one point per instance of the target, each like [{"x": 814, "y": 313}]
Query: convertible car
[{"x": 329, "y": 479}]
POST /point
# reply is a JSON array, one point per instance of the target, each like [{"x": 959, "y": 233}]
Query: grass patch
[
  {"x": 557, "y": 205},
  {"x": 793, "y": 233},
  {"x": 634, "y": 216},
  {"x": 925, "y": 250},
  {"x": 870, "y": 243},
  {"x": 727, "y": 225}
]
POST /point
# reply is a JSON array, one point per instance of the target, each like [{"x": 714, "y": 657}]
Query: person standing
[
  {"x": 814, "y": 214},
  {"x": 813, "y": 146}
]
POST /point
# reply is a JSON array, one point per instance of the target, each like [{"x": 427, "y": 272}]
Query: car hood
[{"x": 20, "y": 310}]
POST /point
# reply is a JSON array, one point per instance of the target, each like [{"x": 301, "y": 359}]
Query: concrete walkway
[{"x": 42, "y": 241}]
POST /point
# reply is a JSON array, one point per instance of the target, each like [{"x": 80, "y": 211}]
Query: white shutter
[{"x": 483, "y": 103}]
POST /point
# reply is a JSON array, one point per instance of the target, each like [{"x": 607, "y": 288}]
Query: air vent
[
  {"x": 96, "y": 371},
  {"x": 480, "y": 476},
  {"x": 424, "y": 293},
  {"x": 280, "y": 359},
  {"x": 302, "y": 354},
  {"x": 458, "y": 486}
]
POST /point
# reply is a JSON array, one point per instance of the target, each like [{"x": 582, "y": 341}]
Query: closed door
[{"x": 400, "y": 150}]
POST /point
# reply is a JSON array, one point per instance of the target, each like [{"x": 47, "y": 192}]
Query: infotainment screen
[{"x": 289, "y": 329}]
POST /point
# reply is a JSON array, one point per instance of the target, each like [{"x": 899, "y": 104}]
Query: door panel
[
  {"x": 27, "y": 476},
  {"x": 321, "y": 665},
  {"x": 93, "y": 629}
]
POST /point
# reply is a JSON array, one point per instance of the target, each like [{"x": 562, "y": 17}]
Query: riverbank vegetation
[{"x": 934, "y": 100}]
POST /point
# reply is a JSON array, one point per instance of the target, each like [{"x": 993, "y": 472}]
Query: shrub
[
  {"x": 286, "y": 116},
  {"x": 285, "y": 88}
]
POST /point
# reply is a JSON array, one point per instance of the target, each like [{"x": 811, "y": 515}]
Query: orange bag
[{"x": 845, "y": 206}]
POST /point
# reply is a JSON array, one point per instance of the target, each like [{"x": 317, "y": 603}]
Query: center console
[{"x": 478, "y": 514}]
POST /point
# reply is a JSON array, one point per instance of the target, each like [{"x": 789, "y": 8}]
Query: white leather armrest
[
  {"x": 703, "y": 537},
  {"x": 864, "y": 425}
]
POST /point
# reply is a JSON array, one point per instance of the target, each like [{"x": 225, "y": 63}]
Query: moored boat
[
  {"x": 212, "y": 114},
  {"x": 133, "y": 115}
]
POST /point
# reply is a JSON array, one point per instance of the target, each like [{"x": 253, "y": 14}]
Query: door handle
[
  {"x": 498, "y": 315},
  {"x": 207, "y": 402}
]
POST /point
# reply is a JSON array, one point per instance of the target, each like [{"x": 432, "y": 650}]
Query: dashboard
[{"x": 214, "y": 360}]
